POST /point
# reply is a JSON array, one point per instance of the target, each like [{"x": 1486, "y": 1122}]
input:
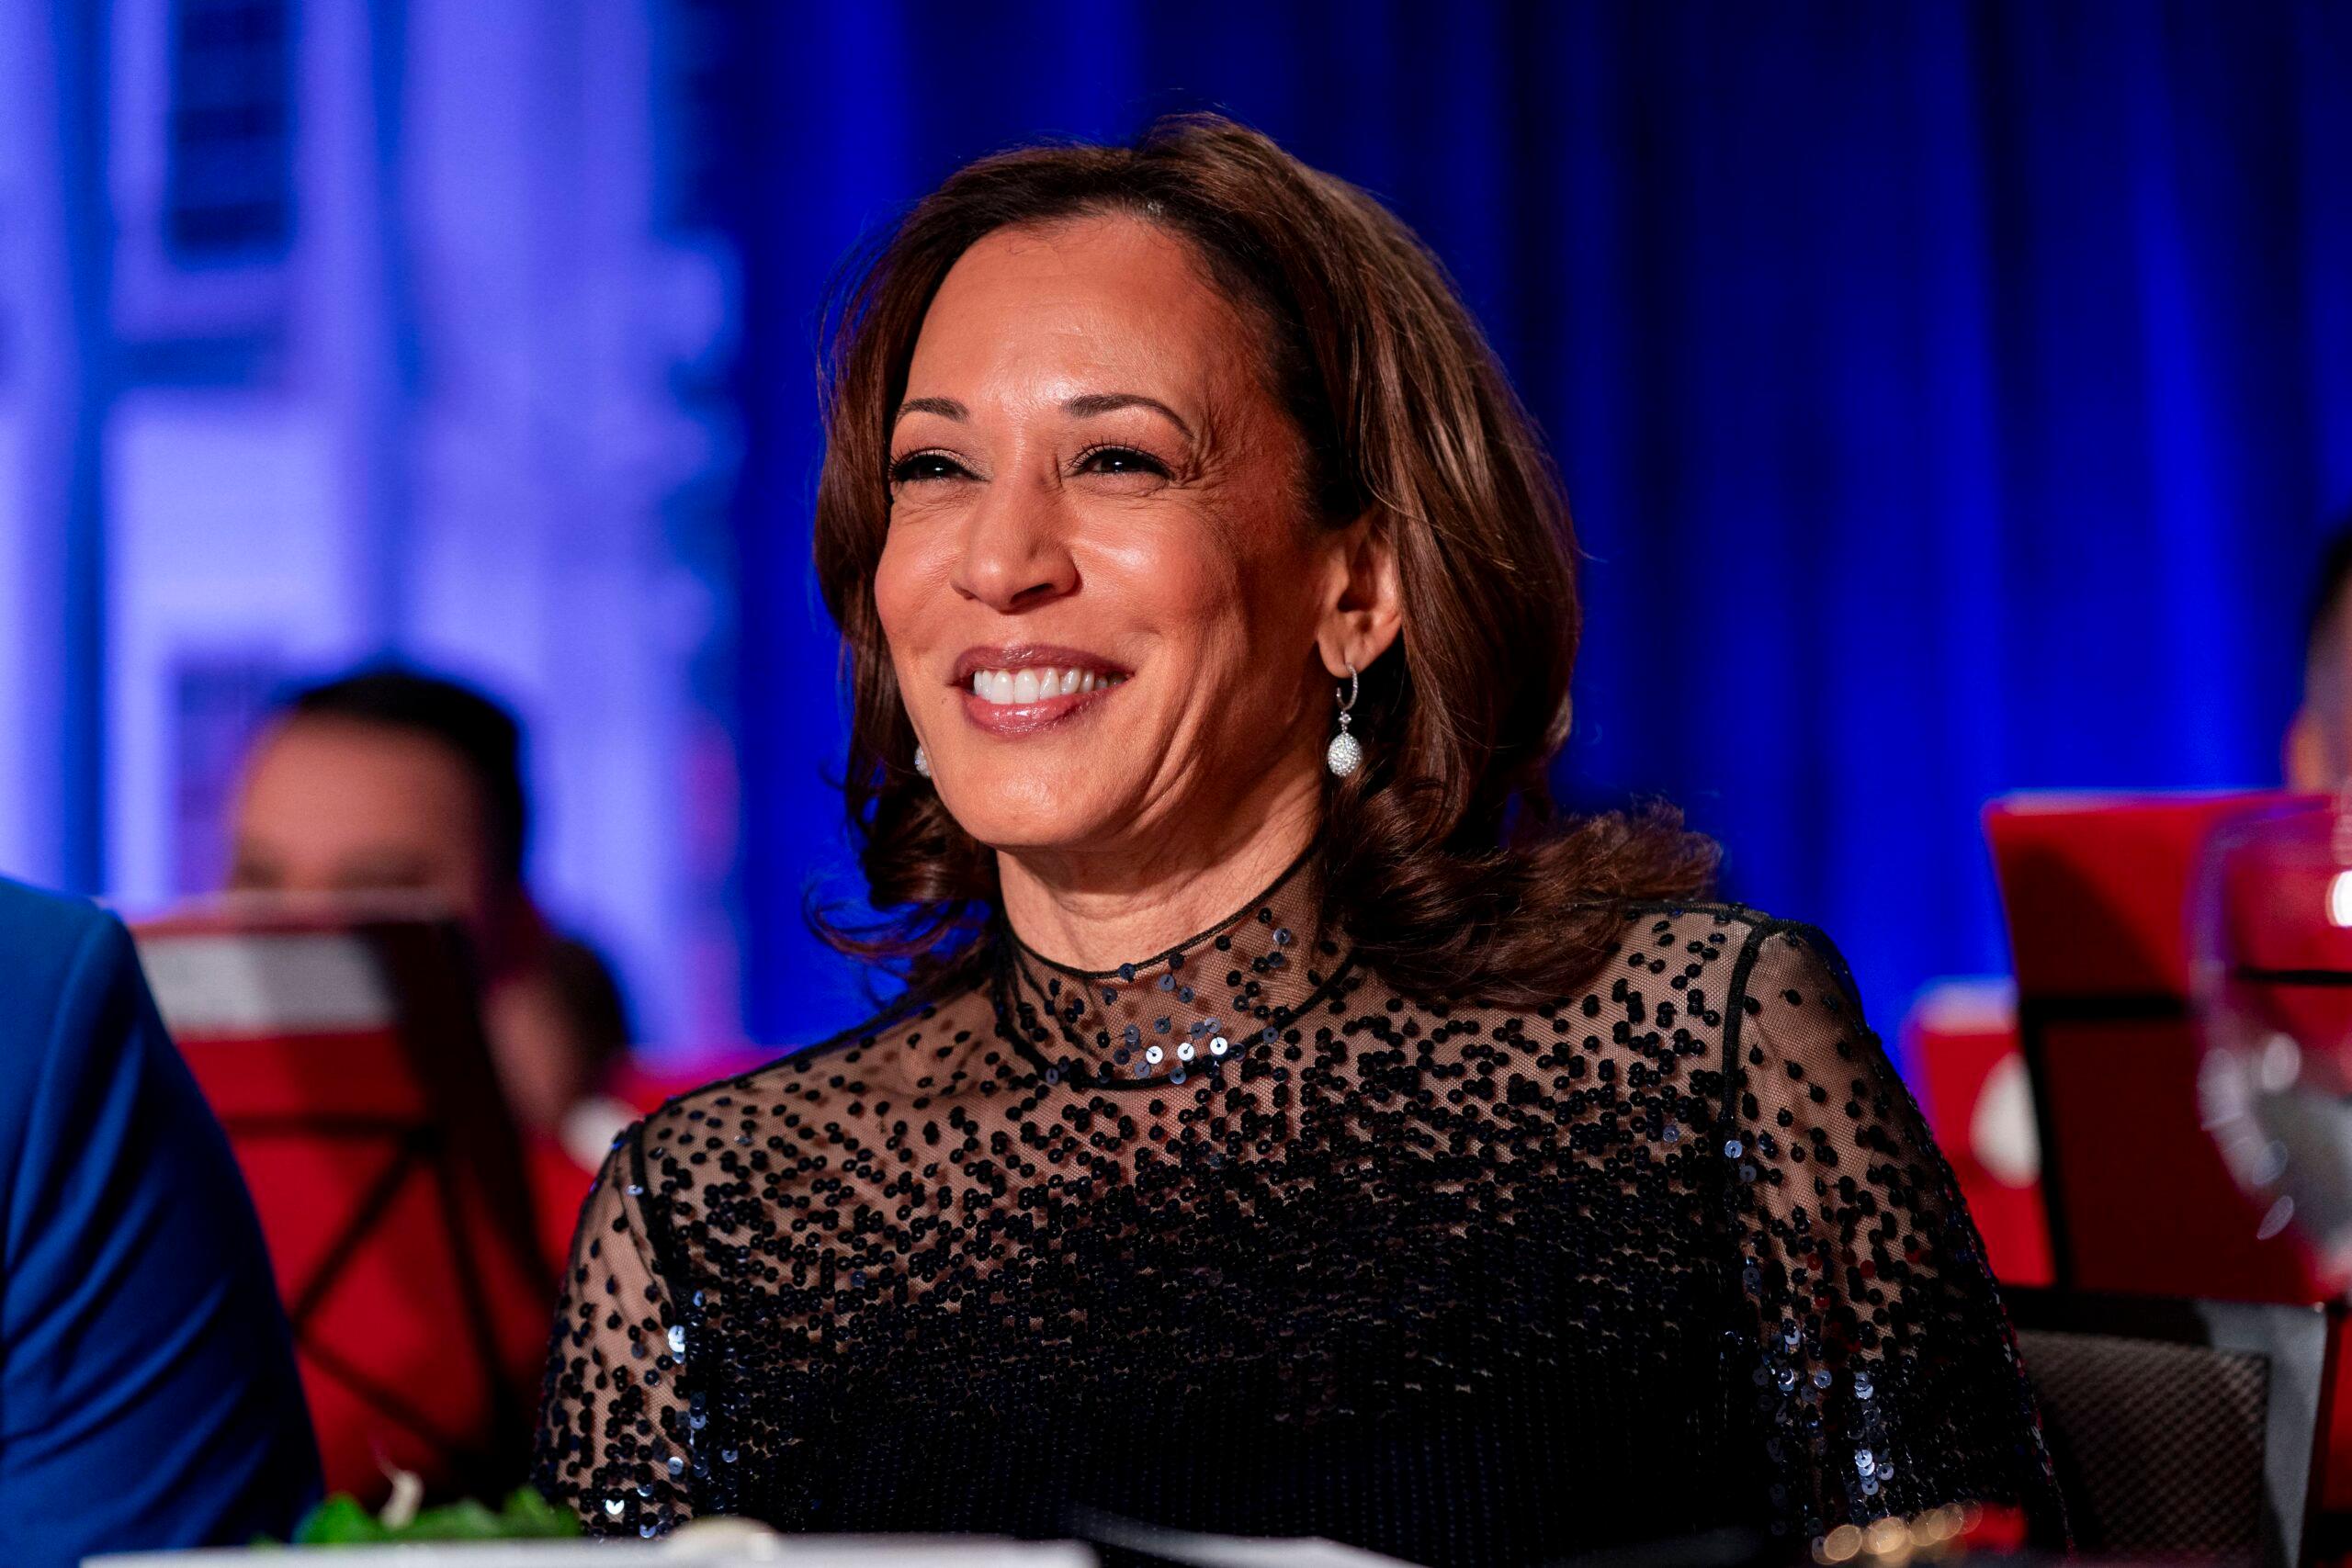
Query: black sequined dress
[{"x": 1237, "y": 1238}]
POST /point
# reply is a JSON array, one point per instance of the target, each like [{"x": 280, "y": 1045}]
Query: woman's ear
[{"x": 1367, "y": 606}]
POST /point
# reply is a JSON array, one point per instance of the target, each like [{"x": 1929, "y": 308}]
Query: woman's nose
[{"x": 1014, "y": 555}]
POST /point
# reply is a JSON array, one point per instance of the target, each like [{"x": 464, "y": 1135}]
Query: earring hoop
[{"x": 1345, "y": 755}]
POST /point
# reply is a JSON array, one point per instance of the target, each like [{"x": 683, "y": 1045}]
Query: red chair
[
  {"x": 2096, "y": 893},
  {"x": 346, "y": 1063},
  {"x": 1961, "y": 1042}
]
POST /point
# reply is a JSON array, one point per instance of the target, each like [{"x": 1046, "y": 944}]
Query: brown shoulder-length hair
[{"x": 1441, "y": 858}]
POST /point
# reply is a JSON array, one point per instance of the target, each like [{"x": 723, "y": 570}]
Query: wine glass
[{"x": 2270, "y": 945}]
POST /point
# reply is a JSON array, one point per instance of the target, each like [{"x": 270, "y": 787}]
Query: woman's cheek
[
  {"x": 1182, "y": 563},
  {"x": 902, "y": 581}
]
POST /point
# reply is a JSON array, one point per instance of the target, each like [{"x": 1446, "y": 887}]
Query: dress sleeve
[
  {"x": 1884, "y": 1376},
  {"x": 616, "y": 1423}
]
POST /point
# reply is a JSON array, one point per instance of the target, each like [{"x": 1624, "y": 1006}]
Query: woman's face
[{"x": 1102, "y": 591}]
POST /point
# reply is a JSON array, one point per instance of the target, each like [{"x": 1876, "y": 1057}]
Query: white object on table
[
  {"x": 1202, "y": 1550},
  {"x": 795, "y": 1552}
]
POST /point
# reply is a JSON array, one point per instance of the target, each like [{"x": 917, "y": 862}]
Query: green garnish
[{"x": 341, "y": 1520}]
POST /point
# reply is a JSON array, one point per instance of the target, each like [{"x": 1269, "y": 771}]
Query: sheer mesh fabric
[{"x": 1237, "y": 1238}]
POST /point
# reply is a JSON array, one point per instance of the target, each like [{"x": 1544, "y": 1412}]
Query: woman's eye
[
  {"x": 1120, "y": 460},
  {"x": 917, "y": 467}
]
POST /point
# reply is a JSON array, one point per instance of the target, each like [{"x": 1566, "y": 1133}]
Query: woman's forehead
[{"x": 1075, "y": 301}]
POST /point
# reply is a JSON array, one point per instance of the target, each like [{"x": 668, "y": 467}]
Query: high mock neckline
[{"x": 1227, "y": 992}]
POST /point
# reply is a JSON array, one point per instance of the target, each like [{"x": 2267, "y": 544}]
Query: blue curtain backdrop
[{"x": 1952, "y": 398}]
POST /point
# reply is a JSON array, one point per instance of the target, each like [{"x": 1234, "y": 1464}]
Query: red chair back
[
  {"x": 2096, "y": 891},
  {"x": 347, "y": 1063},
  {"x": 1961, "y": 1041}
]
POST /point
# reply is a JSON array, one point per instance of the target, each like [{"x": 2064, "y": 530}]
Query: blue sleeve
[{"x": 147, "y": 1395}]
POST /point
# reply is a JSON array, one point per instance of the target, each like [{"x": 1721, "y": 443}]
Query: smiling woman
[{"x": 1263, "y": 1144}]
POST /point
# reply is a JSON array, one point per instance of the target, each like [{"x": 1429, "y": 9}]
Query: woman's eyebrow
[
  {"x": 1105, "y": 403},
  {"x": 945, "y": 407}
]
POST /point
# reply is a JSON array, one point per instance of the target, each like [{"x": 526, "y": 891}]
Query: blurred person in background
[
  {"x": 2318, "y": 751},
  {"x": 148, "y": 1394},
  {"x": 393, "y": 780}
]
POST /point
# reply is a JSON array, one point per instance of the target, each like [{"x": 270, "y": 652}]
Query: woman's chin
[{"x": 1021, "y": 810}]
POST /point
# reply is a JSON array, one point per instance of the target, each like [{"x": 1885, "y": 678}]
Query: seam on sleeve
[
  {"x": 1743, "y": 973},
  {"x": 651, "y": 1229},
  {"x": 1735, "y": 1015}
]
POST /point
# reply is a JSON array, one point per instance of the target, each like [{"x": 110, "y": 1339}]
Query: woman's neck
[{"x": 1097, "y": 909}]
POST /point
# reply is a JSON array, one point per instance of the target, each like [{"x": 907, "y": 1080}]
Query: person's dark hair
[
  {"x": 592, "y": 999},
  {"x": 474, "y": 729},
  {"x": 1442, "y": 856},
  {"x": 2328, "y": 589}
]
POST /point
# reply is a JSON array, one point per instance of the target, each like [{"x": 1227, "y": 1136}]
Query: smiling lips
[
  {"x": 1008, "y": 686},
  {"x": 1009, "y": 693}
]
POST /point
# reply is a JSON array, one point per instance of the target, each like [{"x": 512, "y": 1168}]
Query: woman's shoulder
[
  {"x": 1723, "y": 964},
  {"x": 1656, "y": 930},
  {"x": 905, "y": 1047}
]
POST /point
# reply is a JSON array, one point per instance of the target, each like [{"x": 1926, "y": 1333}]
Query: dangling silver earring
[
  {"x": 922, "y": 760},
  {"x": 1345, "y": 755}
]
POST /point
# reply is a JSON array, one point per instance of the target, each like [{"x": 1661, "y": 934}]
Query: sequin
[{"x": 938, "y": 1266}]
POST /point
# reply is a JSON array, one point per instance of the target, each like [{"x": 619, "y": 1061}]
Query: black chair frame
[{"x": 2297, "y": 1342}]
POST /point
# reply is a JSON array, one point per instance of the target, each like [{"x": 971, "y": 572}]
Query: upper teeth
[{"x": 1033, "y": 685}]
